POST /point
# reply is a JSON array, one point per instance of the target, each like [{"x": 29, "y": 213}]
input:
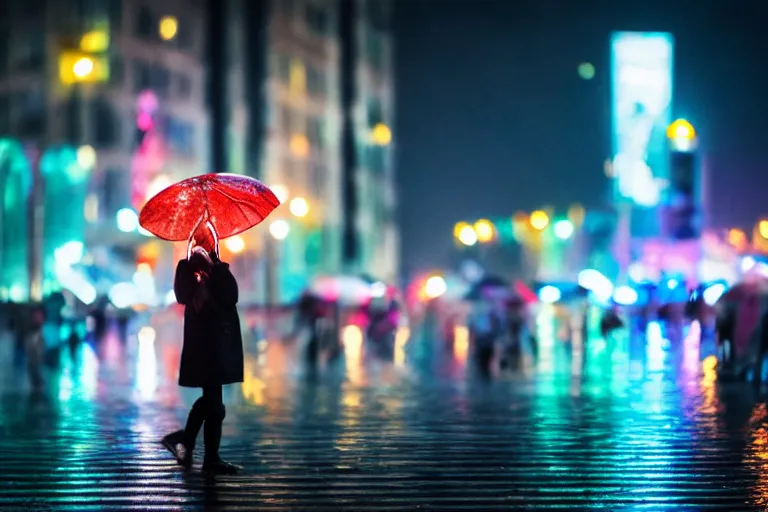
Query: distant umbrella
[
  {"x": 524, "y": 293},
  {"x": 490, "y": 287},
  {"x": 349, "y": 290}
]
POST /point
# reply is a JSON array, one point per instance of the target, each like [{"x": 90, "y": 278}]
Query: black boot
[
  {"x": 213, "y": 464},
  {"x": 218, "y": 466},
  {"x": 174, "y": 443}
]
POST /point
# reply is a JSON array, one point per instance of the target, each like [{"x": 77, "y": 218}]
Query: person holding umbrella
[
  {"x": 212, "y": 355},
  {"x": 201, "y": 210}
]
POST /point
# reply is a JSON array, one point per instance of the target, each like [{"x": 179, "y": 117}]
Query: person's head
[{"x": 200, "y": 259}]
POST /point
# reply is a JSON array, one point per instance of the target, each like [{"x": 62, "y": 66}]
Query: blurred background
[{"x": 601, "y": 158}]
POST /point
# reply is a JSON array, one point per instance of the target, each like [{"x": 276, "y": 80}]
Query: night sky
[{"x": 493, "y": 116}]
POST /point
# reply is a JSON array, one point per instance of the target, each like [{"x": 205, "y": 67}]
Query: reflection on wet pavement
[{"x": 619, "y": 423}]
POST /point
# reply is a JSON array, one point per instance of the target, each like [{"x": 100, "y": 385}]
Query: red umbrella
[
  {"x": 525, "y": 293},
  {"x": 208, "y": 206}
]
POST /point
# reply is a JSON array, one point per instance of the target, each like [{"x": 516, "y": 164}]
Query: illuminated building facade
[
  {"x": 642, "y": 71},
  {"x": 162, "y": 90},
  {"x": 72, "y": 76},
  {"x": 642, "y": 66},
  {"x": 371, "y": 106},
  {"x": 301, "y": 155},
  {"x": 292, "y": 136}
]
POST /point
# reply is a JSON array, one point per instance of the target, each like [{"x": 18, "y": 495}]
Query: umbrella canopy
[
  {"x": 348, "y": 290},
  {"x": 225, "y": 204},
  {"x": 524, "y": 293},
  {"x": 746, "y": 289},
  {"x": 489, "y": 287}
]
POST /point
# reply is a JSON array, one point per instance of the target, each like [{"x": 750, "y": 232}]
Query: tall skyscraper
[
  {"x": 319, "y": 132},
  {"x": 641, "y": 86},
  {"x": 371, "y": 241}
]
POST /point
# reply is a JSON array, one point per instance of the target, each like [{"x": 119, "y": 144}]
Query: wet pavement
[{"x": 606, "y": 427}]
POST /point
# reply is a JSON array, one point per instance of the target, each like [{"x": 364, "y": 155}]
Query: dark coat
[{"x": 213, "y": 346}]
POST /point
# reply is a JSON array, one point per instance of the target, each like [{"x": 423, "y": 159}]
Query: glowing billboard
[{"x": 641, "y": 82}]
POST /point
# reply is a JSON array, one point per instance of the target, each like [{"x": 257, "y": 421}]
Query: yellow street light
[
  {"x": 299, "y": 207},
  {"x": 381, "y": 134},
  {"x": 681, "y": 130},
  {"x": 762, "y": 228},
  {"x": 235, "y": 244},
  {"x": 458, "y": 228},
  {"x": 76, "y": 67},
  {"x": 83, "y": 67},
  {"x": 95, "y": 41},
  {"x": 169, "y": 27},
  {"x": 539, "y": 220},
  {"x": 484, "y": 230}
]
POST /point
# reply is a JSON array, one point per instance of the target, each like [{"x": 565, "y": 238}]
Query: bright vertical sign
[{"x": 641, "y": 67}]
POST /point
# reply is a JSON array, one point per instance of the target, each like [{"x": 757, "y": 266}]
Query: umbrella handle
[
  {"x": 192, "y": 237},
  {"x": 215, "y": 236}
]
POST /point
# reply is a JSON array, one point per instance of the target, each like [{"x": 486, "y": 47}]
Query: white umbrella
[{"x": 349, "y": 290}]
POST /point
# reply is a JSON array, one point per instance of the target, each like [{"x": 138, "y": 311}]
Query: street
[{"x": 365, "y": 434}]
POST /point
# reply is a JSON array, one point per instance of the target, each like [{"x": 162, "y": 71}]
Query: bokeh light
[
  {"x": 586, "y": 70},
  {"x": 279, "y": 229},
  {"x": 458, "y": 227},
  {"x": 299, "y": 207},
  {"x": 484, "y": 230},
  {"x": 280, "y": 191},
  {"x": 738, "y": 239},
  {"x": 86, "y": 156},
  {"x": 435, "y": 287},
  {"x": 467, "y": 236},
  {"x": 127, "y": 220},
  {"x": 235, "y": 244},
  {"x": 146, "y": 335},
  {"x": 681, "y": 129},
  {"x": 762, "y": 228},
  {"x": 83, "y": 67},
  {"x": 169, "y": 27},
  {"x": 95, "y": 41},
  {"x": 381, "y": 134},
  {"x": 299, "y": 145},
  {"x": 563, "y": 229},
  {"x": 549, "y": 294},
  {"x": 539, "y": 219}
]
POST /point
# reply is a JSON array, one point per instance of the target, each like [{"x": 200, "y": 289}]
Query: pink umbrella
[{"x": 350, "y": 290}]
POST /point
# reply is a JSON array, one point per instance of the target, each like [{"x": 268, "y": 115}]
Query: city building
[
  {"x": 372, "y": 115},
  {"x": 72, "y": 74},
  {"x": 641, "y": 111},
  {"x": 111, "y": 101},
  {"x": 327, "y": 74}
]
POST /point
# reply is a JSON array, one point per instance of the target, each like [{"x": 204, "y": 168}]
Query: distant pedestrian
[
  {"x": 35, "y": 346},
  {"x": 212, "y": 355}
]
